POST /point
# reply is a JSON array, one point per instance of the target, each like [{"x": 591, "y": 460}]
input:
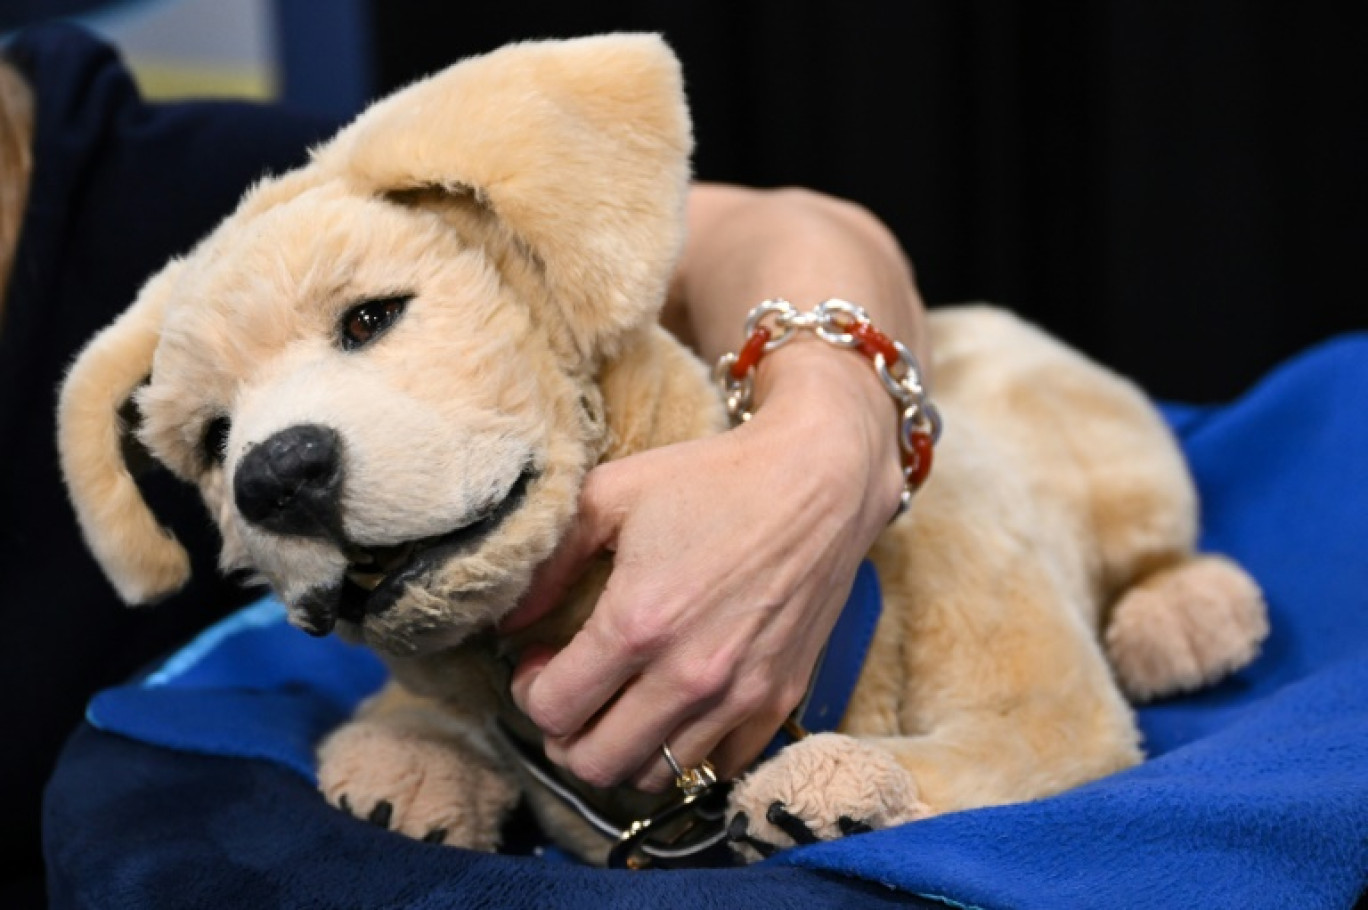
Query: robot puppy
[{"x": 389, "y": 371}]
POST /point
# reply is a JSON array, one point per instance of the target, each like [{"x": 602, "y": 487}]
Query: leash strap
[{"x": 838, "y": 669}]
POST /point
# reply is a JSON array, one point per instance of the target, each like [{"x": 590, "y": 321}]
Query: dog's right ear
[
  {"x": 580, "y": 148},
  {"x": 142, "y": 559}
]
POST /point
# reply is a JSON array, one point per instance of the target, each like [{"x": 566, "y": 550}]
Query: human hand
[{"x": 733, "y": 557}]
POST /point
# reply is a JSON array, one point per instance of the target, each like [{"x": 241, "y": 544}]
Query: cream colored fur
[{"x": 528, "y": 205}]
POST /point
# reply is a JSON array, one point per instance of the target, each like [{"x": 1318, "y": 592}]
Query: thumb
[{"x": 594, "y": 528}]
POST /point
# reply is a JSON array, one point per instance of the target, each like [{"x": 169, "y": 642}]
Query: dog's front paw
[
  {"x": 415, "y": 780},
  {"x": 820, "y": 788}
]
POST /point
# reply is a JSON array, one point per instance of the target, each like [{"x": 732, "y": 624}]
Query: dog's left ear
[
  {"x": 142, "y": 559},
  {"x": 580, "y": 147}
]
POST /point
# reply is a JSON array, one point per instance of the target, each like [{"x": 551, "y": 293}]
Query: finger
[
  {"x": 692, "y": 742},
  {"x": 726, "y": 719},
  {"x": 730, "y": 737},
  {"x": 578, "y": 681},
  {"x": 625, "y": 740},
  {"x": 594, "y": 529}
]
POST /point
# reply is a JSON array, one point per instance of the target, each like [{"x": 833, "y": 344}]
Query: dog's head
[{"x": 380, "y": 369}]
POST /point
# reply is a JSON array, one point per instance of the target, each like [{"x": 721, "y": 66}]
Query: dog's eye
[
  {"x": 364, "y": 322},
  {"x": 215, "y": 441}
]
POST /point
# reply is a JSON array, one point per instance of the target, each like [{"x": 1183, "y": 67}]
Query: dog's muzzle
[
  {"x": 378, "y": 576},
  {"x": 291, "y": 483}
]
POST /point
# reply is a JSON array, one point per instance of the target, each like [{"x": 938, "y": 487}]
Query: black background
[{"x": 1177, "y": 187}]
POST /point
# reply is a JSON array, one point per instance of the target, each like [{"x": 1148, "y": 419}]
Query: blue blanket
[{"x": 1256, "y": 794}]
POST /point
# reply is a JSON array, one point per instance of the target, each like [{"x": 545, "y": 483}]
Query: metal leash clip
[{"x": 688, "y": 831}]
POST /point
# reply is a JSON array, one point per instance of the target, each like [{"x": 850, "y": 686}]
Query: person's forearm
[
  {"x": 749, "y": 245},
  {"x": 746, "y": 246}
]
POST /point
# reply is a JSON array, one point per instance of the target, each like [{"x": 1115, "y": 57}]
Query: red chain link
[
  {"x": 917, "y": 459},
  {"x": 918, "y": 453},
  {"x": 751, "y": 352}
]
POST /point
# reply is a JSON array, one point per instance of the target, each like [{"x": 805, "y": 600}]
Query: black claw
[
  {"x": 736, "y": 828},
  {"x": 764, "y": 848},
  {"x": 435, "y": 836},
  {"x": 344, "y": 804},
  {"x": 737, "y": 832},
  {"x": 849, "y": 826},
  {"x": 381, "y": 814},
  {"x": 781, "y": 818}
]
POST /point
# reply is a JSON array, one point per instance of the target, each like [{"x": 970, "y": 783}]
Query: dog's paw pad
[{"x": 820, "y": 788}]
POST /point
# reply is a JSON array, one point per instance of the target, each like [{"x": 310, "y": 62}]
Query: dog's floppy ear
[
  {"x": 580, "y": 147},
  {"x": 140, "y": 557}
]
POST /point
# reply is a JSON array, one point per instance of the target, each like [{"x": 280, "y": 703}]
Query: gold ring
[{"x": 692, "y": 781}]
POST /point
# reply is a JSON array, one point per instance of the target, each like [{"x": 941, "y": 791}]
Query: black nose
[{"x": 290, "y": 483}]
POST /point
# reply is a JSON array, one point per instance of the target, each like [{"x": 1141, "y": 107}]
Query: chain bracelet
[{"x": 772, "y": 324}]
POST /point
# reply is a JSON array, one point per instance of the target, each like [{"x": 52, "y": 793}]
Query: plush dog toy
[{"x": 389, "y": 371}]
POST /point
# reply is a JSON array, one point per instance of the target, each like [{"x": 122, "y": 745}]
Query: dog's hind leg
[
  {"x": 1173, "y": 619},
  {"x": 1095, "y": 448},
  {"x": 1184, "y": 626}
]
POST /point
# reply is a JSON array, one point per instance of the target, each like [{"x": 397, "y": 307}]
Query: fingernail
[
  {"x": 533, "y": 661},
  {"x": 522, "y": 687}
]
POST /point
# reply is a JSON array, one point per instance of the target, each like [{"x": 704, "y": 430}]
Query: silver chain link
[{"x": 831, "y": 321}]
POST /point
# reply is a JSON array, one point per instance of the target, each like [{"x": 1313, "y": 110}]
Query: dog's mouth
[{"x": 376, "y": 577}]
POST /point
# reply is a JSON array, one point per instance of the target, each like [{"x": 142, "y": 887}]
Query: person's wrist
[
  {"x": 843, "y": 326},
  {"x": 821, "y": 393}
]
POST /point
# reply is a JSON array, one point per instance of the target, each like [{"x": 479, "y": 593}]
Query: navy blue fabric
[
  {"x": 119, "y": 186},
  {"x": 839, "y": 669},
  {"x": 1256, "y": 794}
]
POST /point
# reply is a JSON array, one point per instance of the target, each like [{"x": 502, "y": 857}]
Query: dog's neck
[{"x": 654, "y": 394}]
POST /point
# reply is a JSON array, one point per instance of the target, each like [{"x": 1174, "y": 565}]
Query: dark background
[{"x": 1178, "y": 187}]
